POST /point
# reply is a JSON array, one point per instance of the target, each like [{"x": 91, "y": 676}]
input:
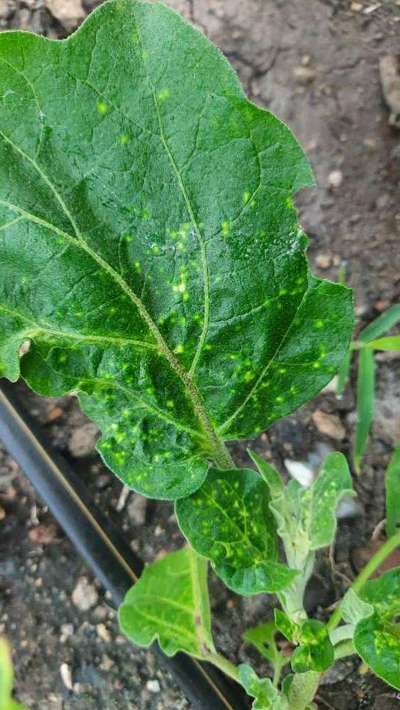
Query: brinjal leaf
[
  {"x": 262, "y": 637},
  {"x": 170, "y": 603},
  {"x": 377, "y": 636},
  {"x": 228, "y": 520},
  {"x": 266, "y": 697},
  {"x": 392, "y": 487},
  {"x": 149, "y": 247},
  {"x": 315, "y": 651},
  {"x": 306, "y": 516}
]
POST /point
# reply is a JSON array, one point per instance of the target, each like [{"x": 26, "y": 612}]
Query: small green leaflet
[
  {"x": 170, "y": 603},
  {"x": 262, "y": 637},
  {"x": 288, "y": 628},
  {"x": 377, "y": 636},
  {"x": 228, "y": 521},
  {"x": 150, "y": 250},
  {"x": 6, "y": 679},
  {"x": 307, "y": 515},
  {"x": 315, "y": 651},
  {"x": 266, "y": 696},
  {"x": 392, "y": 487},
  {"x": 391, "y": 342},
  {"x": 365, "y": 403}
]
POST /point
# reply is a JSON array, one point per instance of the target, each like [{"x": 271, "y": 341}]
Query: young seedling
[{"x": 153, "y": 265}]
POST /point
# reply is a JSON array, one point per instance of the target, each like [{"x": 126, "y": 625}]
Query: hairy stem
[{"x": 376, "y": 560}]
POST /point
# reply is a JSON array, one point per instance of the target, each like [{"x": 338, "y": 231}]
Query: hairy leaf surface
[
  {"x": 261, "y": 689},
  {"x": 377, "y": 636},
  {"x": 170, "y": 603},
  {"x": 150, "y": 250},
  {"x": 229, "y": 521}
]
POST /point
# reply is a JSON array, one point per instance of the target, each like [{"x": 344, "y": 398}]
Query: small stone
[
  {"x": 83, "y": 440},
  {"x": 2, "y": 513},
  {"x": 348, "y": 508},
  {"x": 300, "y": 471},
  {"x": 329, "y": 424},
  {"x": 331, "y": 387},
  {"x": 137, "y": 509},
  {"x": 323, "y": 261},
  {"x": 335, "y": 178},
  {"x": 43, "y": 534},
  {"x": 84, "y": 595},
  {"x": 389, "y": 69},
  {"x": 68, "y": 12},
  {"x": 304, "y": 74},
  {"x": 103, "y": 632},
  {"x": 153, "y": 686},
  {"x": 66, "y": 676},
  {"x": 106, "y": 664},
  {"x": 53, "y": 414},
  {"x": 67, "y": 630},
  {"x": 356, "y": 7}
]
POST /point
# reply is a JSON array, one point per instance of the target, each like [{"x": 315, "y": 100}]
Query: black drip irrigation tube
[{"x": 100, "y": 543}]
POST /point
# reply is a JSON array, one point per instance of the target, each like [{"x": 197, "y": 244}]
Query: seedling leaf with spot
[
  {"x": 150, "y": 250},
  {"x": 377, "y": 636},
  {"x": 170, "y": 603},
  {"x": 315, "y": 651},
  {"x": 265, "y": 696},
  {"x": 306, "y": 520},
  {"x": 229, "y": 521}
]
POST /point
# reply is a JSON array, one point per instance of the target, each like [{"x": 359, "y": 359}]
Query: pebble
[
  {"x": 153, "y": 686},
  {"x": 323, "y": 261},
  {"x": 66, "y": 676},
  {"x": 329, "y": 424},
  {"x": 67, "y": 630},
  {"x": 137, "y": 509},
  {"x": 68, "y": 12},
  {"x": 300, "y": 471},
  {"x": 348, "y": 508},
  {"x": 103, "y": 632},
  {"x": 335, "y": 178},
  {"x": 84, "y": 595},
  {"x": 83, "y": 440},
  {"x": 304, "y": 74},
  {"x": 356, "y": 7},
  {"x": 389, "y": 71}
]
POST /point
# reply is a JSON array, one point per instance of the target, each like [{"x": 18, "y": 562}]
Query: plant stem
[
  {"x": 224, "y": 665},
  {"x": 375, "y": 561}
]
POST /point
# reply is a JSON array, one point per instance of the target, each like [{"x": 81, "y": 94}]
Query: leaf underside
[
  {"x": 228, "y": 521},
  {"x": 150, "y": 251}
]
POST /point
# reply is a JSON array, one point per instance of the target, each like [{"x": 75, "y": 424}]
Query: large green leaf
[
  {"x": 170, "y": 603},
  {"x": 377, "y": 636},
  {"x": 150, "y": 250},
  {"x": 229, "y": 521}
]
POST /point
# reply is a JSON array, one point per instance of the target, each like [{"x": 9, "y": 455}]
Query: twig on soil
[{"x": 123, "y": 497}]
